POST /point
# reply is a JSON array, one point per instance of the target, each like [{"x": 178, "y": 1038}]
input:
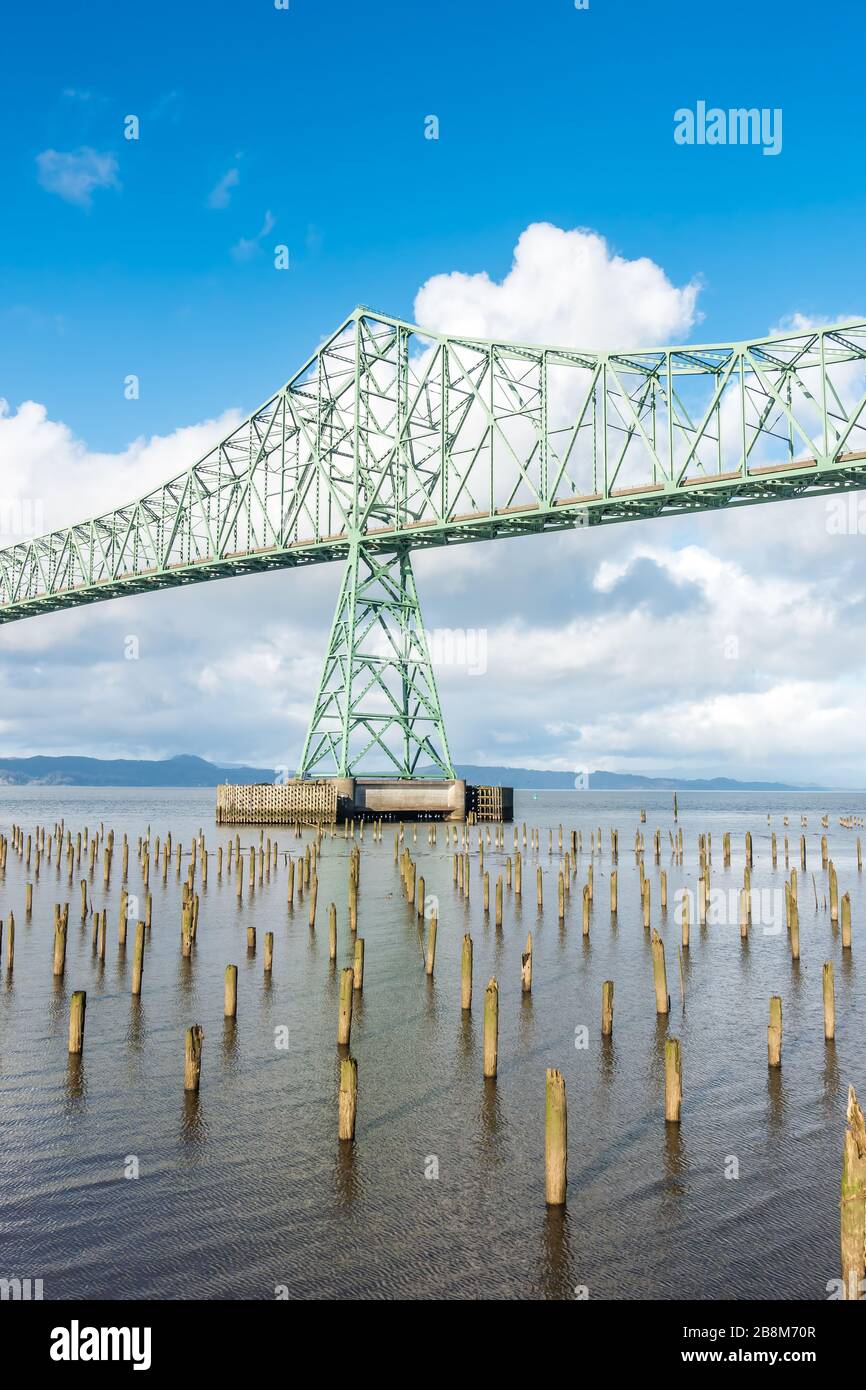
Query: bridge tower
[{"x": 377, "y": 694}]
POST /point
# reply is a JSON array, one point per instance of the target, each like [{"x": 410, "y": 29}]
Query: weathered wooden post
[
  {"x": 834, "y": 893},
  {"x": 192, "y": 1057},
  {"x": 138, "y": 958},
  {"x": 430, "y": 958},
  {"x": 59, "y": 945},
  {"x": 332, "y": 931},
  {"x": 358, "y": 965},
  {"x": 829, "y": 1001},
  {"x": 466, "y": 973},
  {"x": 498, "y": 910},
  {"x": 607, "y": 1008},
  {"x": 10, "y": 943},
  {"x": 491, "y": 1028},
  {"x": 526, "y": 966},
  {"x": 846, "y": 921},
  {"x": 774, "y": 1032},
  {"x": 853, "y": 1204},
  {"x": 348, "y": 1100},
  {"x": 344, "y": 1019},
  {"x": 77, "y": 1010},
  {"x": 314, "y": 893},
  {"x": 269, "y": 952},
  {"x": 794, "y": 928},
  {"x": 230, "y": 993},
  {"x": 555, "y": 1139},
  {"x": 673, "y": 1080},
  {"x": 663, "y": 1003},
  {"x": 614, "y": 892}
]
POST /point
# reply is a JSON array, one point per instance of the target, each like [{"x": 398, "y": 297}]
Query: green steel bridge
[{"x": 391, "y": 438}]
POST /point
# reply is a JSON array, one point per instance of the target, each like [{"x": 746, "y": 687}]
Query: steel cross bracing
[{"x": 392, "y": 438}]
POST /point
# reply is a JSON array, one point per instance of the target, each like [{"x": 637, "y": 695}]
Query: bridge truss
[{"x": 391, "y": 439}]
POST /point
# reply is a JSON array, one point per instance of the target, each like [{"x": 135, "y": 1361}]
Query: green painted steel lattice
[{"x": 391, "y": 438}]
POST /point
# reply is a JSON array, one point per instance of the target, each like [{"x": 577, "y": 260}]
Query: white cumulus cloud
[{"x": 566, "y": 288}]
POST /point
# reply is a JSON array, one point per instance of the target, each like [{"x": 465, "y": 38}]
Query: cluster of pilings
[{"x": 257, "y": 867}]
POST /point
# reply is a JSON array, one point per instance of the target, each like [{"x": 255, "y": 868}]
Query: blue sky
[
  {"x": 305, "y": 127},
  {"x": 546, "y": 113}
]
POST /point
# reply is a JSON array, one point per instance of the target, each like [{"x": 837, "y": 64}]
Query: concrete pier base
[{"x": 361, "y": 798}]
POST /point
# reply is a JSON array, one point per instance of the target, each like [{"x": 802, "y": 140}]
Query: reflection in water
[
  {"x": 832, "y": 1088},
  {"x": 675, "y": 1161},
  {"x": 75, "y": 1090},
  {"x": 776, "y": 1099},
  {"x": 136, "y": 1030},
  {"x": 555, "y": 1277},
  {"x": 346, "y": 1178},
  {"x": 193, "y": 1129},
  {"x": 491, "y": 1116},
  {"x": 229, "y": 1040}
]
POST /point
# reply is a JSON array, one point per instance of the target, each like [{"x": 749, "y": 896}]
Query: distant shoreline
[{"x": 187, "y": 772}]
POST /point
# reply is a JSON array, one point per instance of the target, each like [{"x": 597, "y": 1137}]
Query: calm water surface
[{"x": 247, "y": 1189}]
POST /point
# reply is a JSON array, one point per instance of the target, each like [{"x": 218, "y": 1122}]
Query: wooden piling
[
  {"x": 230, "y": 992},
  {"x": 829, "y": 1001},
  {"x": 491, "y": 1028},
  {"x": 358, "y": 965},
  {"x": 526, "y": 966},
  {"x": 192, "y": 1057},
  {"x": 846, "y": 921},
  {"x": 77, "y": 1010},
  {"x": 348, "y": 1100},
  {"x": 774, "y": 1032},
  {"x": 430, "y": 958},
  {"x": 332, "y": 931},
  {"x": 138, "y": 958},
  {"x": 269, "y": 952},
  {"x": 555, "y": 1139},
  {"x": 673, "y": 1080},
  {"x": 344, "y": 1019},
  {"x": 466, "y": 973},
  {"x": 59, "y": 946},
  {"x": 663, "y": 1003},
  {"x": 853, "y": 1203},
  {"x": 607, "y": 1008}
]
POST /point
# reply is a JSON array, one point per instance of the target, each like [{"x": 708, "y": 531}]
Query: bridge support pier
[{"x": 377, "y": 697}]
